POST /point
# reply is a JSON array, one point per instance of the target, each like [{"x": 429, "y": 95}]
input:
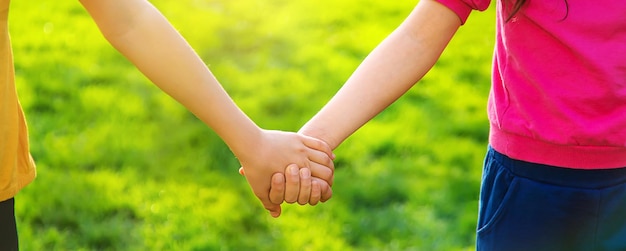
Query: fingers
[
  {"x": 326, "y": 191},
  {"x": 300, "y": 186},
  {"x": 319, "y": 145},
  {"x": 277, "y": 188},
  {"x": 305, "y": 186},
  {"x": 322, "y": 172},
  {"x": 320, "y": 158},
  {"x": 316, "y": 192},
  {"x": 320, "y": 191},
  {"x": 292, "y": 186},
  {"x": 274, "y": 209}
]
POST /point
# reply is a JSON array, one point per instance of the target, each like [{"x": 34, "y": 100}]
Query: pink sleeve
[{"x": 463, "y": 7}]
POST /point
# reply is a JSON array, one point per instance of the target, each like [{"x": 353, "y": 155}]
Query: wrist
[{"x": 247, "y": 143}]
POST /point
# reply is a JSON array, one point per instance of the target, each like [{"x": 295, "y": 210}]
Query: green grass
[{"x": 124, "y": 167}]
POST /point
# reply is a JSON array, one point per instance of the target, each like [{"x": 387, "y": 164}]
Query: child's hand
[
  {"x": 299, "y": 186},
  {"x": 272, "y": 152},
  {"x": 295, "y": 184}
]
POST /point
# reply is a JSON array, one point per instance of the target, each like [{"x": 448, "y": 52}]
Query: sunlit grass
[{"x": 124, "y": 167}]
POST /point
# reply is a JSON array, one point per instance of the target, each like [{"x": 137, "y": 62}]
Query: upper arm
[
  {"x": 431, "y": 22},
  {"x": 115, "y": 17}
]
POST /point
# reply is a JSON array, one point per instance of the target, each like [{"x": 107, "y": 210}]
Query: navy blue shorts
[
  {"x": 8, "y": 231},
  {"x": 533, "y": 207}
]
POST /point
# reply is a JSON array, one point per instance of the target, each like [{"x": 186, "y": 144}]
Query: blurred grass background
[{"x": 124, "y": 167}]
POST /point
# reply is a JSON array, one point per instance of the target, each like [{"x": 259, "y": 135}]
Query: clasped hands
[{"x": 288, "y": 167}]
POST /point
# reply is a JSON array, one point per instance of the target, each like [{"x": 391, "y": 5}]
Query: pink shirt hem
[{"x": 570, "y": 156}]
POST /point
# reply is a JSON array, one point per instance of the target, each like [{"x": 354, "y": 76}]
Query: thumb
[{"x": 241, "y": 171}]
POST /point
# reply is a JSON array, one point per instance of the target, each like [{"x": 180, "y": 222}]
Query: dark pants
[
  {"x": 8, "y": 229},
  {"x": 532, "y": 207}
]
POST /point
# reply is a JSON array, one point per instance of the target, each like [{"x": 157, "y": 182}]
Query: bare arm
[
  {"x": 388, "y": 72},
  {"x": 145, "y": 37},
  {"x": 139, "y": 31}
]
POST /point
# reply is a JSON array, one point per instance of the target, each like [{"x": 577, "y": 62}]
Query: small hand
[
  {"x": 287, "y": 187},
  {"x": 272, "y": 152},
  {"x": 300, "y": 187}
]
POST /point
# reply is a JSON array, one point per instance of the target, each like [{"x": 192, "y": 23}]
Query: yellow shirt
[{"x": 17, "y": 168}]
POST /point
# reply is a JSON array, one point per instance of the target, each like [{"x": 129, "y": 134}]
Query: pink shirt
[{"x": 558, "y": 93}]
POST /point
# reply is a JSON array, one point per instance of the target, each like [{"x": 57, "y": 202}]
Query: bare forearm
[
  {"x": 390, "y": 70},
  {"x": 145, "y": 37}
]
